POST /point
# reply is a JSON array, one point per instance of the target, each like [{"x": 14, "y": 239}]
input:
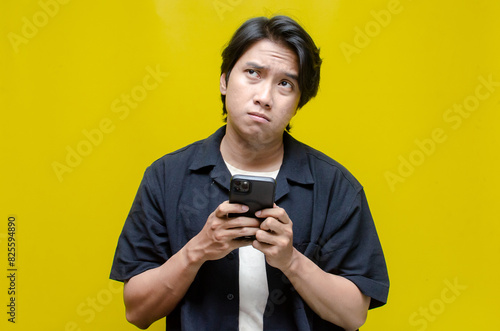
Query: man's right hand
[
  {"x": 219, "y": 235},
  {"x": 154, "y": 293}
]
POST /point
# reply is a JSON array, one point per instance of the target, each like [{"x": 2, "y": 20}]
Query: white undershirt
[{"x": 252, "y": 276}]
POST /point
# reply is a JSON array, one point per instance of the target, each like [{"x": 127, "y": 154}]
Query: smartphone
[{"x": 254, "y": 191}]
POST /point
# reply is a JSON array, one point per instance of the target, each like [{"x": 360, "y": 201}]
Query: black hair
[{"x": 282, "y": 30}]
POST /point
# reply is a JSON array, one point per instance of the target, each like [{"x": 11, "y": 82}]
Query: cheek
[
  {"x": 232, "y": 100},
  {"x": 284, "y": 118},
  {"x": 234, "y": 91},
  {"x": 289, "y": 109}
]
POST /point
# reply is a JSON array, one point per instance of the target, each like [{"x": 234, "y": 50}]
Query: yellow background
[{"x": 66, "y": 67}]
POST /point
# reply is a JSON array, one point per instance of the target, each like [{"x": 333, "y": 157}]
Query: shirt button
[{"x": 230, "y": 296}]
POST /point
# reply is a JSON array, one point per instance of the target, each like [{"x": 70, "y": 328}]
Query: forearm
[
  {"x": 154, "y": 293},
  {"x": 332, "y": 297}
]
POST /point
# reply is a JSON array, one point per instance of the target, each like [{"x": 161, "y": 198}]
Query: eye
[
  {"x": 286, "y": 84},
  {"x": 253, "y": 73}
]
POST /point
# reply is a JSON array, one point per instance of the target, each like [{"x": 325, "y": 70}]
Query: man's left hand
[{"x": 275, "y": 237}]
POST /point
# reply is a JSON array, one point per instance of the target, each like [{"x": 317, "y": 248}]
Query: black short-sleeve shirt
[{"x": 332, "y": 226}]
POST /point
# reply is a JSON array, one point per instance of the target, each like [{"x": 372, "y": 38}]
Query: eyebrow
[{"x": 257, "y": 66}]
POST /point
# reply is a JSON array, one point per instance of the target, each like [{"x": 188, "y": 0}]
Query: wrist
[
  {"x": 193, "y": 256},
  {"x": 293, "y": 266}
]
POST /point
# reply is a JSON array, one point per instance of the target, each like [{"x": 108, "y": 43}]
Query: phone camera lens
[{"x": 242, "y": 186}]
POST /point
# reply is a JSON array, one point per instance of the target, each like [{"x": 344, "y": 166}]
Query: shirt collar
[
  {"x": 209, "y": 152},
  {"x": 295, "y": 165}
]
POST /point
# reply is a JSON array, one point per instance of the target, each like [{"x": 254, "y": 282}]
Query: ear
[{"x": 223, "y": 87}]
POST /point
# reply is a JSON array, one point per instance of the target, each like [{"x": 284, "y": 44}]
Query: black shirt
[{"x": 332, "y": 226}]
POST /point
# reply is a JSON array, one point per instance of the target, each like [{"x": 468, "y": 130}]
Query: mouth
[{"x": 259, "y": 117}]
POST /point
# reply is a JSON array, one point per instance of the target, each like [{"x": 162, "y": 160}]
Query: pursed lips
[{"x": 260, "y": 115}]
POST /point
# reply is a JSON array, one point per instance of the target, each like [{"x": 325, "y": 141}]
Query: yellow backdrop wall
[{"x": 93, "y": 91}]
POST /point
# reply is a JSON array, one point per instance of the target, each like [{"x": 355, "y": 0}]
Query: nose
[{"x": 264, "y": 95}]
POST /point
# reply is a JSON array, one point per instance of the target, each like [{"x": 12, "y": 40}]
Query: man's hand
[
  {"x": 275, "y": 237},
  {"x": 333, "y": 298},
  {"x": 154, "y": 293},
  {"x": 218, "y": 236}
]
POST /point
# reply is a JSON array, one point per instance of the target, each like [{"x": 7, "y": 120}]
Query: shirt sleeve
[
  {"x": 143, "y": 242},
  {"x": 353, "y": 250}
]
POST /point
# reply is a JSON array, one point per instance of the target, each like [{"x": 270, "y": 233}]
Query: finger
[
  {"x": 263, "y": 239},
  {"x": 268, "y": 239},
  {"x": 241, "y": 242},
  {"x": 245, "y": 234},
  {"x": 272, "y": 225},
  {"x": 264, "y": 225},
  {"x": 260, "y": 245},
  {"x": 242, "y": 222},
  {"x": 276, "y": 213},
  {"x": 226, "y": 208}
]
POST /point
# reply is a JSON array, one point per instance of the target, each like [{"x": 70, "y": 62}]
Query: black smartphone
[{"x": 254, "y": 191}]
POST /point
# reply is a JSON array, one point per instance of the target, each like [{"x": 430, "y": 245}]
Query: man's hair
[{"x": 282, "y": 30}]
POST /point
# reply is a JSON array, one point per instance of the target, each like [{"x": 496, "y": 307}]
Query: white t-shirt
[{"x": 252, "y": 276}]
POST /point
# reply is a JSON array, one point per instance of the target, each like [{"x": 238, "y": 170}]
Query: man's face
[{"x": 262, "y": 93}]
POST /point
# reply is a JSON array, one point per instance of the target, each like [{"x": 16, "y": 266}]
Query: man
[{"x": 316, "y": 262}]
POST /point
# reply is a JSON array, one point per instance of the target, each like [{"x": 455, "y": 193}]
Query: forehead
[{"x": 271, "y": 54}]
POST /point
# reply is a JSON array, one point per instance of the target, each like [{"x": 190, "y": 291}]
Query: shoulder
[
  {"x": 323, "y": 167},
  {"x": 197, "y": 155},
  {"x": 328, "y": 166},
  {"x": 178, "y": 157},
  {"x": 173, "y": 165}
]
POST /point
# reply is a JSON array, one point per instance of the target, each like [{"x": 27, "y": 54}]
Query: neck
[{"x": 252, "y": 157}]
